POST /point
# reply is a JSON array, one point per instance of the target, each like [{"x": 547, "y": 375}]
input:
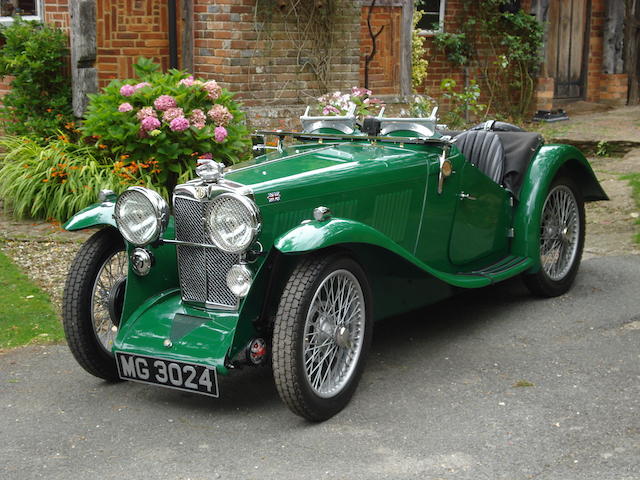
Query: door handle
[{"x": 466, "y": 196}]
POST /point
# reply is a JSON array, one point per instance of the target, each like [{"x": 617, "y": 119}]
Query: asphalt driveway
[{"x": 439, "y": 400}]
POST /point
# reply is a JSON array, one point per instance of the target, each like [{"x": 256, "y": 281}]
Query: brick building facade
[
  {"x": 278, "y": 55},
  {"x": 598, "y": 82}
]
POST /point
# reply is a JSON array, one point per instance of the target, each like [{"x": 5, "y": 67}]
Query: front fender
[
  {"x": 98, "y": 214},
  {"x": 548, "y": 163},
  {"x": 315, "y": 235}
]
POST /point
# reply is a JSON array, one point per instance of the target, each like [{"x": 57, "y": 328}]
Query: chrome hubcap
[
  {"x": 111, "y": 274},
  {"x": 560, "y": 232},
  {"x": 334, "y": 333}
]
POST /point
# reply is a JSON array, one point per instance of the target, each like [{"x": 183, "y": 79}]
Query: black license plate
[{"x": 190, "y": 377}]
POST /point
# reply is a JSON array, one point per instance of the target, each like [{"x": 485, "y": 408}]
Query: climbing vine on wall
[
  {"x": 503, "y": 47},
  {"x": 308, "y": 26}
]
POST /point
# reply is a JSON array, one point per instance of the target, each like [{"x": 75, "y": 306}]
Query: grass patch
[
  {"x": 26, "y": 313},
  {"x": 523, "y": 383},
  {"x": 634, "y": 181}
]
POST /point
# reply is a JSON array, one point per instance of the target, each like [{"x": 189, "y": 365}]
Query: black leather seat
[{"x": 483, "y": 149}]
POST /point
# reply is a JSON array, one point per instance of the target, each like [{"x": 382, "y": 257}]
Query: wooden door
[
  {"x": 567, "y": 45},
  {"x": 632, "y": 45}
]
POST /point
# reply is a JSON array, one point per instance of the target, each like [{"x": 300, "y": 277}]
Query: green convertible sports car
[{"x": 287, "y": 260}]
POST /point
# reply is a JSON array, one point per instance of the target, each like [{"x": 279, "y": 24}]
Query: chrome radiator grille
[{"x": 203, "y": 271}]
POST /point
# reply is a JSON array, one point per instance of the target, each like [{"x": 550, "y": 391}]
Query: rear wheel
[
  {"x": 92, "y": 302},
  {"x": 322, "y": 333},
  {"x": 562, "y": 230}
]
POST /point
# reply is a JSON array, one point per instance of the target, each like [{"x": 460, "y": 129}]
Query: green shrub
[
  {"x": 169, "y": 119},
  {"x": 52, "y": 181},
  {"x": 39, "y": 102},
  {"x": 462, "y": 103}
]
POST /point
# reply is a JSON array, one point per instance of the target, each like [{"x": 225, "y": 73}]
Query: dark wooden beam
[
  {"x": 84, "y": 75},
  {"x": 613, "y": 58}
]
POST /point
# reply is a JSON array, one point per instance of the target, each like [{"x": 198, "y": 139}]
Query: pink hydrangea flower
[
  {"x": 150, "y": 123},
  {"x": 146, "y": 112},
  {"x": 213, "y": 89},
  {"x": 141, "y": 85},
  {"x": 330, "y": 110},
  {"x": 360, "y": 91},
  {"x": 198, "y": 118},
  {"x": 127, "y": 90},
  {"x": 179, "y": 124},
  {"x": 220, "y": 115},
  {"x": 187, "y": 82},
  {"x": 220, "y": 134},
  {"x": 165, "y": 102},
  {"x": 125, "y": 107},
  {"x": 172, "y": 114}
]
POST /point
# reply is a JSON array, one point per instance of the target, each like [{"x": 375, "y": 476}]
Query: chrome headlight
[
  {"x": 233, "y": 221},
  {"x": 141, "y": 215}
]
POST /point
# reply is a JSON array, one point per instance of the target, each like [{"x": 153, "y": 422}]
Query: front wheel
[
  {"x": 92, "y": 302},
  {"x": 322, "y": 333},
  {"x": 562, "y": 230}
]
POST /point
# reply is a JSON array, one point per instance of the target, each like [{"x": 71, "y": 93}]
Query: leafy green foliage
[
  {"x": 504, "y": 48},
  {"x": 39, "y": 102},
  {"x": 634, "y": 181},
  {"x": 461, "y": 102},
  {"x": 419, "y": 64},
  {"x": 51, "y": 181},
  {"x": 603, "y": 148},
  {"x": 114, "y": 123},
  {"x": 455, "y": 46},
  {"x": 36, "y": 321}
]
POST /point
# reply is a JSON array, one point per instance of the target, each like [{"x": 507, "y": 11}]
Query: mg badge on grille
[{"x": 200, "y": 192}]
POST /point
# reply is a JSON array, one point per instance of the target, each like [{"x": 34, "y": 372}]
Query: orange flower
[
  {"x": 45, "y": 180},
  {"x": 49, "y": 109},
  {"x": 124, "y": 157},
  {"x": 102, "y": 146},
  {"x": 26, "y": 165}
]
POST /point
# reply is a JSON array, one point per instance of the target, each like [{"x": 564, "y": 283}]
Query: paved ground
[{"x": 438, "y": 401}]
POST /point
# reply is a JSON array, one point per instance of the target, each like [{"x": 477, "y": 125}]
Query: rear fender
[{"x": 551, "y": 161}]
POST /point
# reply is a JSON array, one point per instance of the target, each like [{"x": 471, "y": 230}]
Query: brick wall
[
  {"x": 56, "y": 13},
  {"x": 602, "y": 87},
  {"x": 384, "y": 69},
  {"x": 257, "y": 51},
  {"x": 126, "y": 30}
]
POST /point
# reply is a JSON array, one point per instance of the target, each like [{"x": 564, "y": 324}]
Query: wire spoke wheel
[
  {"x": 561, "y": 239},
  {"x": 110, "y": 278},
  {"x": 333, "y": 333},
  {"x": 321, "y": 335},
  {"x": 93, "y": 300},
  {"x": 559, "y": 232}
]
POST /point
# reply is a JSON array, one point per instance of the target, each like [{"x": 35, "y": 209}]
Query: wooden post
[
  {"x": 84, "y": 75},
  {"x": 187, "y": 35},
  {"x": 632, "y": 50},
  {"x": 612, "y": 61},
  {"x": 405, "y": 48}
]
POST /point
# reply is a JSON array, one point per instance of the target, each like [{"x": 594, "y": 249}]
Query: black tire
[
  {"x": 546, "y": 283},
  {"x": 288, "y": 357},
  {"x": 77, "y": 316}
]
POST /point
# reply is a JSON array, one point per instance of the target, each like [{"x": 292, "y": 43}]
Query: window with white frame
[
  {"x": 432, "y": 20},
  {"x": 27, "y": 9}
]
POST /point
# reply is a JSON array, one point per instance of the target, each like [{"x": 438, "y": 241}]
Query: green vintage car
[{"x": 287, "y": 260}]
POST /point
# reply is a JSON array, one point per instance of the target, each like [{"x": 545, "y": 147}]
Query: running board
[{"x": 501, "y": 270}]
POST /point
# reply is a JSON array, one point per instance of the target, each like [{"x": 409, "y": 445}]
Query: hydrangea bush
[
  {"x": 338, "y": 103},
  {"x": 162, "y": 123}
]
